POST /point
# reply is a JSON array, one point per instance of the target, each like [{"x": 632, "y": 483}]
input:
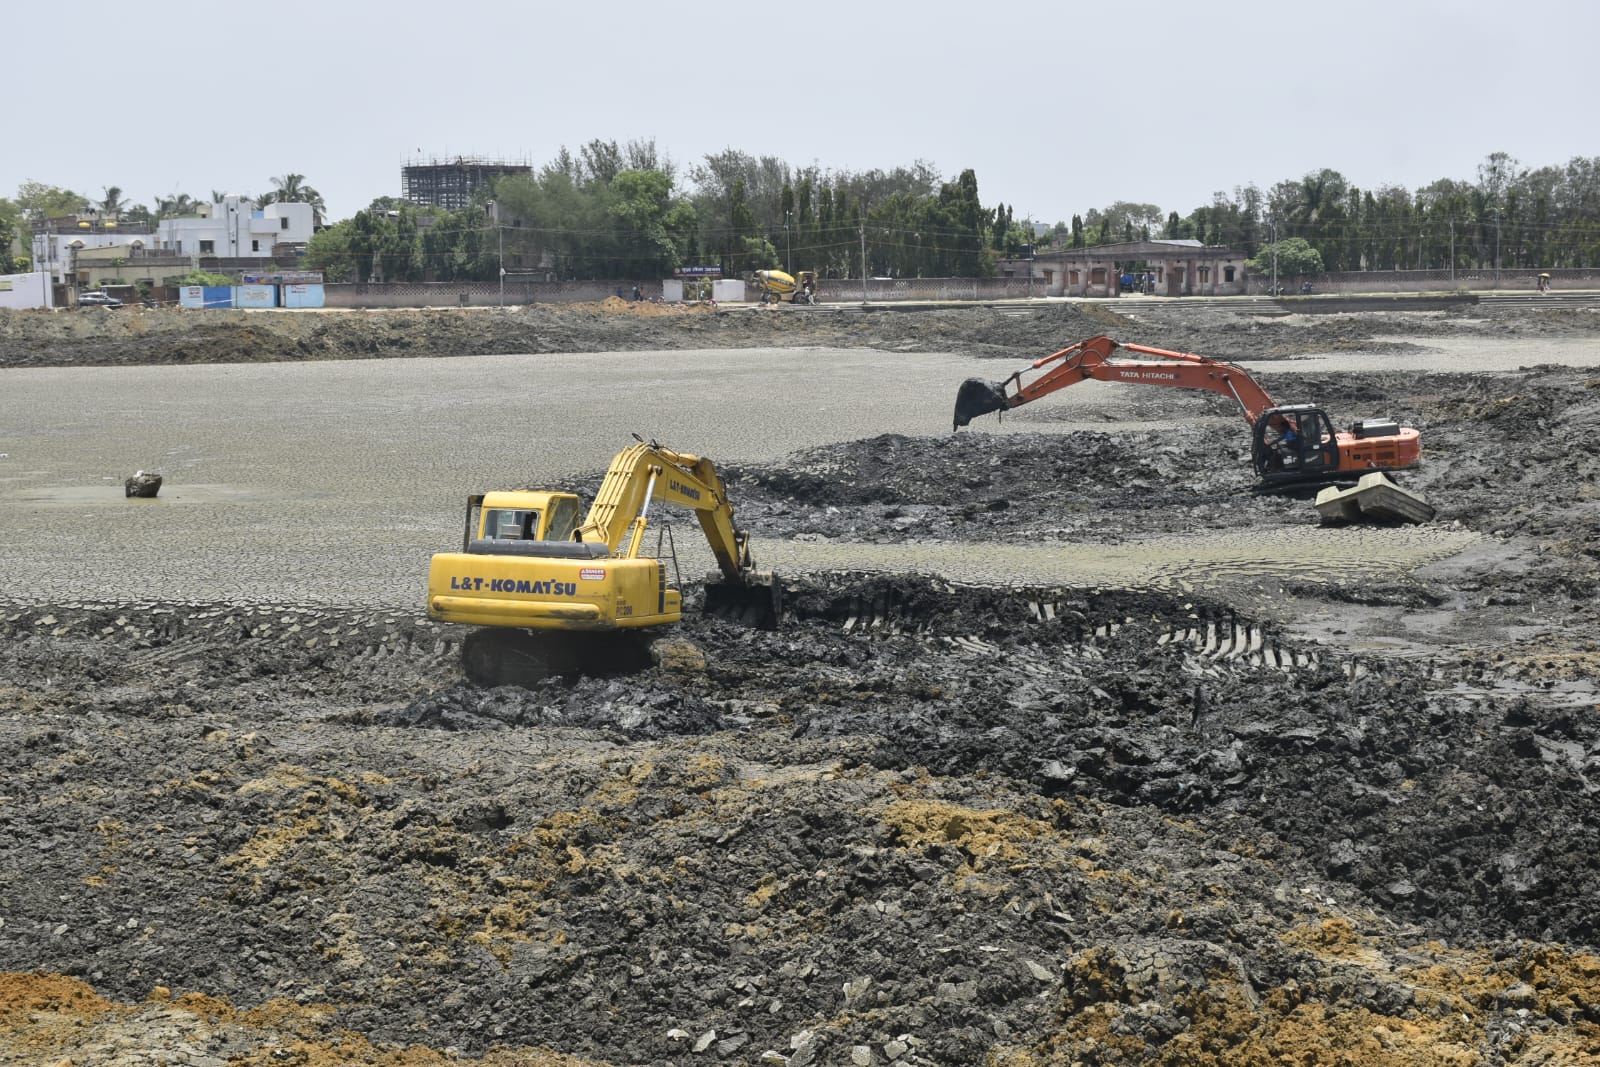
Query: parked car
[{"x": 98, "y": 299}]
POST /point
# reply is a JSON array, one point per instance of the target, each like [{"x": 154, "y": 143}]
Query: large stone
[
  {"x": 1373, "y": 499},
  {"x": 142, "y": 484}
]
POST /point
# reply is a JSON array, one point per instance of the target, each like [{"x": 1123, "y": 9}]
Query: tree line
[
  {"x": 615, "y": 211},
  {"x": 625, "y": 212},
  {"x": 1510, "y": 217}
]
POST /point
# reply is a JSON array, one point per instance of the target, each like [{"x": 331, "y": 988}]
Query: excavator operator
[{"x": 1287, "y": 447}]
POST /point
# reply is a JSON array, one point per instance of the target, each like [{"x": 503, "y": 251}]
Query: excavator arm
[
  {"x": 1295, "y": 443},
  {"x": 1092, "y": 360},
  {"x": 646, "y": 472}
]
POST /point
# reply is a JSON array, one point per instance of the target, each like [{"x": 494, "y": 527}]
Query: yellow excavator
[
  {"x": 547, "y": 588},
  {"x": 777, "y": 287}
]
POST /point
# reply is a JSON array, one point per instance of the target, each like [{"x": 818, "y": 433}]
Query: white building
[
  {"x": 229, "y": 230},
  {"x": 57, "y": 242}
]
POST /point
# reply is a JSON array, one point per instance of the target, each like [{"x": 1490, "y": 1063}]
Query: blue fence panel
[
  {"x": 255, "y": 296},
  {"x": 304, "y": 296}
]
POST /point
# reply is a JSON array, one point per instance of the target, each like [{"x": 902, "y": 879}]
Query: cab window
[
  {"x": 563, "y": 520},
  {"x": 510, "y": 524}
]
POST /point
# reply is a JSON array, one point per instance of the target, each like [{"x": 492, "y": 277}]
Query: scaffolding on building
[{"x": 450, "y": 181}]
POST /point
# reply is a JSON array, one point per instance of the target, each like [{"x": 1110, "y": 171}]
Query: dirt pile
[
  {"x": 945, "y": 821},
  {"x": 169, "y": 336},
  {"x": 920, "y": 823}
]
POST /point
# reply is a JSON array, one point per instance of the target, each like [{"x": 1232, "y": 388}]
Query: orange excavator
[{"x": 1290, "y": 442}]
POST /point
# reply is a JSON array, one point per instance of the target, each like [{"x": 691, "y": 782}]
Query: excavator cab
[{"x": 1294, "y": 443}]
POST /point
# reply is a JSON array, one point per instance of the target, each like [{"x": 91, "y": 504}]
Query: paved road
[{"x": 332, "y": 483}]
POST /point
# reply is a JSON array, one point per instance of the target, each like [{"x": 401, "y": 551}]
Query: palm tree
[
  {"x": 112, "y": 202},
  {"x": 178, "y": 204},
  {"x": 292, "y": 189}
]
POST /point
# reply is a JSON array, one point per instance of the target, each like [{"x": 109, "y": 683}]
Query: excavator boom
[
  {"x": 1290, "y": 443},
  {"x": 645, "y": 472},
  {"x": 1093, "y": 360}
]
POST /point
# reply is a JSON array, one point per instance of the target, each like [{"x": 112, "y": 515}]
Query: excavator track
[{"x": 505, "y": 656}]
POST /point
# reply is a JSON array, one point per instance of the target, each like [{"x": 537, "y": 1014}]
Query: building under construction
[{"x": 450, "y": 182}]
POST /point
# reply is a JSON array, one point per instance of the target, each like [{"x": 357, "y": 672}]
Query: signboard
[
  {"x": 5, "y": 286},
  {"x": 255, "y": 296},
  {"x": 282, "y": 277},
  {"x": 698, "y": 272}
]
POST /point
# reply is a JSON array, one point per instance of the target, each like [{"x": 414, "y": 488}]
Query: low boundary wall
[
  {"x": 488, "y": 294},
  {"x": 1522, "y": 279},
  {"x": 889, "y": 290}
]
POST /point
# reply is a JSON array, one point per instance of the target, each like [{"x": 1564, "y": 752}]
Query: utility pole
[
  {"x": 1497, "y": 249},
  {"x": 500, "y": 248},
  {"x": 1452, "y": 251},
  {"x": 1274, "y": 257},
  {"x": 788, "y": 246},
  {"x": 863, "y": 260}
]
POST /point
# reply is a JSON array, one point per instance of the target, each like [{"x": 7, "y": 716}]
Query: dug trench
[{"x": 1272, "y": 818}]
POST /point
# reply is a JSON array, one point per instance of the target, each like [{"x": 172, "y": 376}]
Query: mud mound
[
  {"x": 159, "y": 336},
  {"x": 942, "y": 823}
]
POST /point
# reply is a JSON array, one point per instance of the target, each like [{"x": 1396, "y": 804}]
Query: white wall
[
  {"x": 26, "y": 290},
  {"x": 233, "y": 228},
  {"x": 53, "y": 251}
]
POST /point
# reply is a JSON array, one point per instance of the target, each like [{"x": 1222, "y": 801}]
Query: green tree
[
  {"x": 41, "y": 201},
  {"x": 329, "y": 251},
  {"x": 399, "y": 251},
  {"x": 292, "y": 189},
  {"x": 204, "y": 277},
  {"x": 245, "y": 199},
  {"x": 176, "y": 206},
  {"x": 1295, "y": 256},
  {"x": 649, "y": 227},
  {"x": 10, "y": 232},
  {"x": 739, "y": 253}
]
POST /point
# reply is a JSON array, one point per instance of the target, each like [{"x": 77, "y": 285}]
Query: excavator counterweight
[{"x": 1289, "y": 443}]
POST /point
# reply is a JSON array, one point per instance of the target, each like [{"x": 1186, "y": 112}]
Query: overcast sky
[{"x": 1058, "y": 107}]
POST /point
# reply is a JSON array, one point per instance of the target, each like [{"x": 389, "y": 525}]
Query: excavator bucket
[
  {"x": 757, "y": 601},
  {"x": 978, "y": 397}
]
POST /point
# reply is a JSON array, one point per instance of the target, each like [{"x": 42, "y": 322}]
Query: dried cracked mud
[{"x": 1071, "y": 748}]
